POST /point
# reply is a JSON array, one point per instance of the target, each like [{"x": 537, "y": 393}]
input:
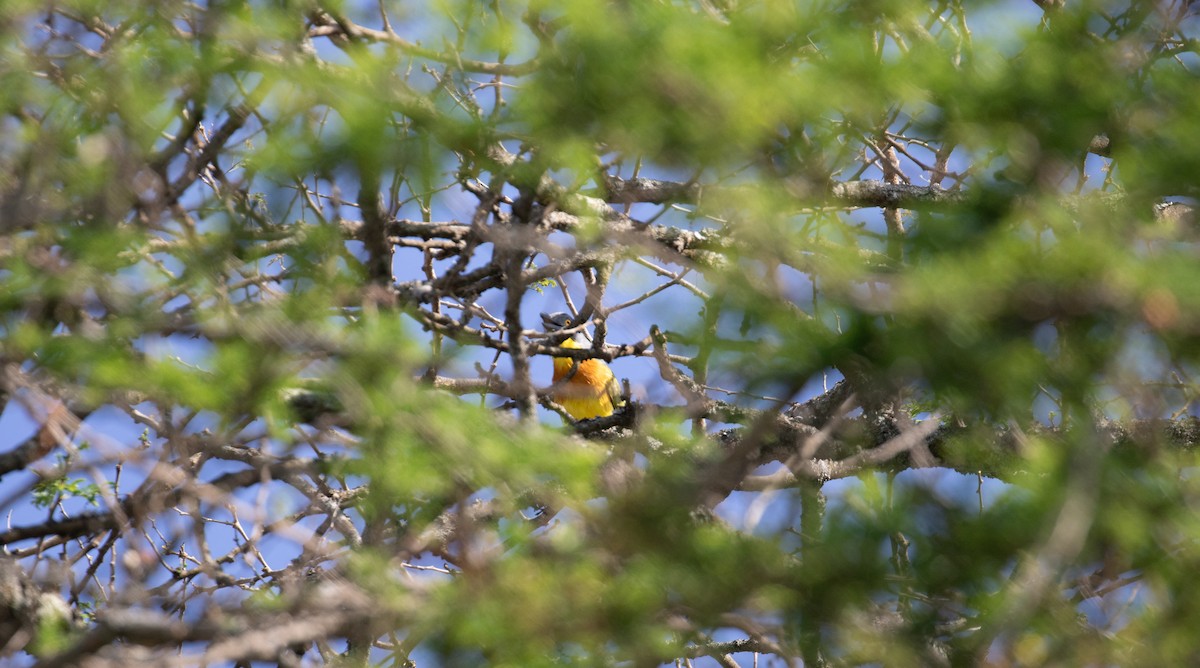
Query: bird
[{"x": 585, "y": 388}]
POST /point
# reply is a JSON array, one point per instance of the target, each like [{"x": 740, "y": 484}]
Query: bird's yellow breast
[{"x": 587, "y": 391}]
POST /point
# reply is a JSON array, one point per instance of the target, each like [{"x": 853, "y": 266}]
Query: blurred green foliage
[{"x": 1038, "y": 303}]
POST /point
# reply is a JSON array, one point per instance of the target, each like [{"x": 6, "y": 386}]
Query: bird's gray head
[{"x": 555, "y": 321}]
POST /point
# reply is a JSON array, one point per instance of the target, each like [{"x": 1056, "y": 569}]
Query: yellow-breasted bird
[{"x": 585, "y": 388}]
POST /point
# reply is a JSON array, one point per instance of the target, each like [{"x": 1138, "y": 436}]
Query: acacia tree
[{"x": 274, "y": 387}]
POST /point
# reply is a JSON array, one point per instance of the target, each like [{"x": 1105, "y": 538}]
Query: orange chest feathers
[
  {"x": 591, "y": 373},
  {"x": 585, "y": 389}
]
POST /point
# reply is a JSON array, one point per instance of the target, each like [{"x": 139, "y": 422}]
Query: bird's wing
[{"x": 613, "y": 389}]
